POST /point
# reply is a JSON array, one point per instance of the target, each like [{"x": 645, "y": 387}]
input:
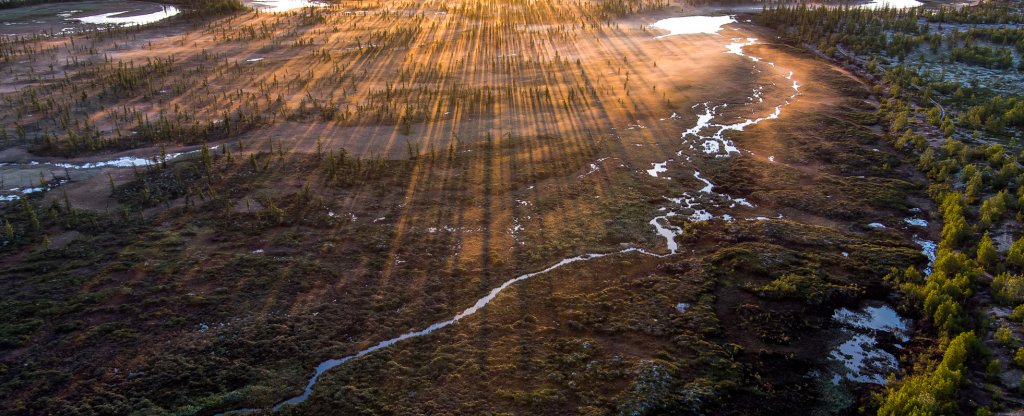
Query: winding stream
[
  {"x": 710, "y": 138},
  {"x": 329, "y": 364}
]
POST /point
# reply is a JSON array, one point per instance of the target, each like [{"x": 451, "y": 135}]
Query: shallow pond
[
  {"x": 81, "y": 16},
  {"x": 690, "y": 25},
  {"x": 129, "y": 17},
  {"x": 892, "y": 4},
  {"x": 860, "y": 354},
  {"x": 277, "y": 6}
]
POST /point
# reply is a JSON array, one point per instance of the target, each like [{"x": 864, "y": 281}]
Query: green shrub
[
  {"x": 933, "y": 393},
  {"x": 1008, "y": 288},
  {"x": 993, "y": 369},
  {"x": 809, "y": 288},
  {"x": 1015, "y": 256},
  {"x": 1004, "y": 335},
  {"x": 1018, "y": 314},
  {"x": 214, "y": 7}
]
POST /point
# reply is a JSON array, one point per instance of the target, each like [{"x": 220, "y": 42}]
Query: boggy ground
[
  {"x": 608, "y": 336},
  {"x": 220, "y": 281}
]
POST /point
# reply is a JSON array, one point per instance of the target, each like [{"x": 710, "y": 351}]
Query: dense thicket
[{"x": 970, "y": 152}]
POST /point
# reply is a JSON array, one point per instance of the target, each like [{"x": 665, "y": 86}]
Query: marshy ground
[{"x": 365, "y": 169}]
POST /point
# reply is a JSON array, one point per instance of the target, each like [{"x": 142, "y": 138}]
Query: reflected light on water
[{"x": 690, "y": 25}]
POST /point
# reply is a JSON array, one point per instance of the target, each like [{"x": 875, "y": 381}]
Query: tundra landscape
[{"x": 397, "y": 207}]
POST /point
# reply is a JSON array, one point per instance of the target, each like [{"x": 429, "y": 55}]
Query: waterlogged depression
[{"x": 861, "y": 356}]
